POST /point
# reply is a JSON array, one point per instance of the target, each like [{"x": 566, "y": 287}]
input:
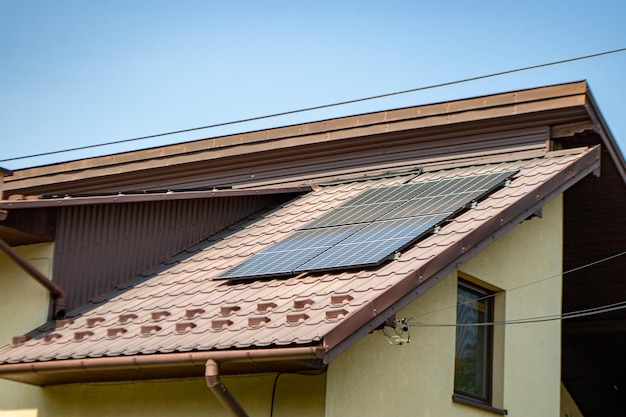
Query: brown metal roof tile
[
  {"x": 116, "y": 331},
  {"x": 340, "y": 299},
  {"x": 258, "y": 321},
  {"x": 336, "y": 314},
  {"x": 94, "y": 321},
  {"x": 265, "y": 307},
  {"x": 78, "y": 336},
  {"x": 220, "y": 324},
  {"x": 51, "y": 337},
  {"x": 194, "y": 312},
  {"x": 296, "y": 318},
  {"x": 302, "y": 303},
  {"x": 185, "y": 326},
  {"x": 160, "y": 315},
  {"x": 19, "y": 340},
  {"x": 149, "y": 330}
]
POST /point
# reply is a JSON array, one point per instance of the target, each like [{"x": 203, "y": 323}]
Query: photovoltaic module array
[{"x": 370, "y": 228}]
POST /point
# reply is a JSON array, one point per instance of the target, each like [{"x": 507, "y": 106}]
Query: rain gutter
[
  {"x": 57, "y": 293},
  {"x": 150, "y": 366}
]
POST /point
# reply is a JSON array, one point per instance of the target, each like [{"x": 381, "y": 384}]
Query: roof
[
  {"x": 177, "y": 310},
  {"x": 469, "y": 129}
]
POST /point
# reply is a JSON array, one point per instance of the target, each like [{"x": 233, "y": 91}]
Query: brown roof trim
[
  {"x": 534, "y": 104},
  {"x": 134, "y": 198},
  {"x": 188, "y": 364},
  {"x": 606, "y": 135},
  {"x": 417, "y": 283}
]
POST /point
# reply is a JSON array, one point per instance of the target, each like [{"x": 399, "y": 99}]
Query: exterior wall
[
  {"x": 296, "y": 395},
  {"x": 24, "y": 305},
  {"x": 374, "y": 377}
]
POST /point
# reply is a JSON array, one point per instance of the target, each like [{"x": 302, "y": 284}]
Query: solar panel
[
  {"x": 373, "y": 244},
  {"x": 285, "y": 256},
  {"x": 370, "y": 205},
  {"x": 368, "y": 229}
]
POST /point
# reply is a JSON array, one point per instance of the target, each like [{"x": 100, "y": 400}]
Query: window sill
[{"x": 461, "y": 399}]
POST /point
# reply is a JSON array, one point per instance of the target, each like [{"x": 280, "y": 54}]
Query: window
[{"x": 474, "y": 343}]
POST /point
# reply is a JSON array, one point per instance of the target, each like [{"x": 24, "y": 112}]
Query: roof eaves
[
  {"x": 133, "y": 198},
  {"x": 418, "y": 282},
  {"x": 605, "y": 133},
  {"x": 484, "y": 108},
  {"x": 191, "y": 364}
]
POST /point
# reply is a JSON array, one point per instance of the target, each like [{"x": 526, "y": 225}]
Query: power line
[
  {"x": 569, "y": 271},
  {"x": 565, "y": 316},
  {"x": 324, "y": 106}
]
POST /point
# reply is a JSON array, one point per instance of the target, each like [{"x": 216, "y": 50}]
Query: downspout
[
  {"x": 211, "y": 373},
  {"x": 57, "y": 293}
]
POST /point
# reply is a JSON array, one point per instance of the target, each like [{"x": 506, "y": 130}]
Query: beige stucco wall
[
  {"x": 296, "y": 395},
  {"x": 24, "y": 302},
  {"x": 24, "y": 305},
  {"x": 376, "y": 378}
]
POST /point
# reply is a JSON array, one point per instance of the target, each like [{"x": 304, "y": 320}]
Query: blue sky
[{"x": 78, "y": 73}]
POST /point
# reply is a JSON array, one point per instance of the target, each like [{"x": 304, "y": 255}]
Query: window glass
[{"x": 473, "y": 342}]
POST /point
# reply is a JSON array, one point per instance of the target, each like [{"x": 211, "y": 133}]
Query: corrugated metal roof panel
[{"x": 127, "y": 239}]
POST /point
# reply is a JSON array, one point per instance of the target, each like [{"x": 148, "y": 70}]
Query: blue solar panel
[
  {"x": 373, "y": 244},
  {"x": 285, "y": 256},
  {"x": 370, "y": 205},
  {"x": 368, "y": 229}
]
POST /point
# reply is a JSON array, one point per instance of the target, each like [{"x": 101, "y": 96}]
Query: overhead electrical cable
[
  {"x": 565, "y": 316},
  {"x": 569, "y": 271},
  {"x": 324, "y": 106}
]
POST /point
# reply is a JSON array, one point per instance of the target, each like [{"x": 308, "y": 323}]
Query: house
[{"x": 462, "y": 258}]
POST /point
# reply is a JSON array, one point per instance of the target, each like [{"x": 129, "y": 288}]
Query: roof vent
[
  {"x": 335, "y": 314},
  {"x": 257, "y": 321},
  {"x": 266, "y": 307},
  {"x": 296, "y": 318},
  {"x": 160, "y": 315},
  {"x": 220, "y": 324},
  {"x": 194, "y": 312},
  {"x": 125, "y": 318},
  {"x": 338, "y": 300},
  {"x": 185, "y": 327},
  {"x": 300, "y": 304},
  {"x": 149, "y": 330},
  {"x": 78, "y": 336},
  {"x": 94, "y": 321},
  {"x": 64, "y": 323},
  {"x": 19, "y": 340},
  {"x": 49, "y": 338},
  {"x": 115, "y": 332},
  {"x": 228, "y": 310}
]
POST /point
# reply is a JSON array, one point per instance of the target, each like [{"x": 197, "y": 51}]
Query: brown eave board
[
  {"x": 133, "y": 198},
  {"x": 534, "y": 103}
]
